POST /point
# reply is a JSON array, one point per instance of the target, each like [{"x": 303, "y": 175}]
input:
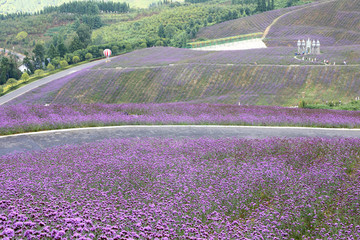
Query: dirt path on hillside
[{"x": 267, "y": 30}]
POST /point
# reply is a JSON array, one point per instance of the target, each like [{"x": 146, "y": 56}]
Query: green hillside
[{"x": 13, "y": 6}]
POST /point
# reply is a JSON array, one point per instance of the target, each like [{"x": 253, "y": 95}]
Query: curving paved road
[
  {"x": 47, "y": 139},
  {"x": 20, "y": 91}
]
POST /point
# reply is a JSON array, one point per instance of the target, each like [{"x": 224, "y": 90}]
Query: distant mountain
[{"x": 13, "y": 6}]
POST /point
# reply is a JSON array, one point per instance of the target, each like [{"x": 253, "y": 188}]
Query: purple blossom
[{"x": 185, "y": 188}]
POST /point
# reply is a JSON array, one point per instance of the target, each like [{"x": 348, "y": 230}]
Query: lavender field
[
  {"x": 163, "y": 56},
  {"x": 251, "y": 24},
  {"x": 184, "y": 189},
  {"x": 16, "y": 119},
  {"x": 334, "y": 23},
  {"x": 201, "y": 83}
]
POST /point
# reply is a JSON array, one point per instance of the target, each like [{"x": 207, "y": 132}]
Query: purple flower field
[
  {"x": 245, "y": 25},
  {"x": 334, "y": 24},
  {"x": 211, "y": 77},
  {"x": 16, "y": 119},
  {"x": 184, "y": 189}
]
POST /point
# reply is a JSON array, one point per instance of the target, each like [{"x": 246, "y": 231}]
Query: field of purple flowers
[
  {"x": 334, "y": 23},
  {"x": 184, "y": 189},
  {"x": 251, "y": 24},
  {"x": 163, "y": 56},
  {"x": 16, "y": 119}
]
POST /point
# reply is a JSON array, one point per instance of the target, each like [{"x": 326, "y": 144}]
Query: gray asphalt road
[
  {"x": 8, "y": 97},
  {"x": 43, "y": 140}
]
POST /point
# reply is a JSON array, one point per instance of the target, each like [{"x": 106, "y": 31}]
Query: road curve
[
  {"x": 20, "y": 91},
  {"x": 42, "y": 140}
]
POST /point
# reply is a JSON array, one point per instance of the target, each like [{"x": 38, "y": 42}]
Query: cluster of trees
[
  {"x": 14, "y": 15},
  {"x": 196, "y": 1},
  {"x": 172, "y": 26},
  {"x": 178, "y": 35},
  {"x": 265, "y": 5},
  {"x": 162, "y": 3},
  {"x": 89, "y": 7},
  {"x": 8, "y": 69},
  {"x": 57, "y": 52},
  {"x": 290, "y": 3}
]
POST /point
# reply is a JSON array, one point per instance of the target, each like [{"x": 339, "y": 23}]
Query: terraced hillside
[
  {"x": 189, "y": 76},
  {"x": 335, "y": 23},
  {"x": 251, "y": 24}
]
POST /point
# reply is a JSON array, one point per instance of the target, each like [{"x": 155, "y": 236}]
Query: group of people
[
  {"x": 314, "y": 60},
  {"x": 326, "y": 62}
]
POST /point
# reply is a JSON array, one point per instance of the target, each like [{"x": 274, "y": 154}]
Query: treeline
[
  {"x": 89, "y": 7},
  {"x": 197, "y": 1},
  {"x": 265, "y": 5},
  {"x": 162, "y": 3},
  {"x": 14, "y": 15}
]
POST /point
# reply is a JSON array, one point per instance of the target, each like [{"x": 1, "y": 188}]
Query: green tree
[
  {"x": 39, "y": 52},
  {"x": 84, "y": 34},
  {"x": 88, "y": 56},
  {"x": 52, "y": 52},
  {"x": 75, "y": 59},
  {"x": 39, "y": 72},
  {"x": 263, "y": 5},
  {"x": 115, "y": 50},
  {"x": 61, "y": 48},
  {"x": 4, "y": 69},
  {"x": 170, "y": 31},
  {"x": 76, "y": 44},
  {"x": 11, "y": 81},
  {"x": 8, "y": 69},
  {"x": 128, "y": 47},
  {"x": 50, "y": 67},
  {"x": 159, "y": 43},
  {"x": 28, "y": 64},
  {"x": 180, "y": 40},
  {"x": 21, "y": 36},
  {"x": 55, "y": 61},
  {"x": 161, "y": 31},
  {"x": 25, "y": 76},
  {"x": 63, "y": 63}
]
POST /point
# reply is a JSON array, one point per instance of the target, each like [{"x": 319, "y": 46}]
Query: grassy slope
[
  {"x": 184, "y": 75},
  {"x": 334, "y": 23}
]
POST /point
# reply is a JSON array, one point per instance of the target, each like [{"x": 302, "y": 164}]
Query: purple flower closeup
[{"x": 300, "y": 188}]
